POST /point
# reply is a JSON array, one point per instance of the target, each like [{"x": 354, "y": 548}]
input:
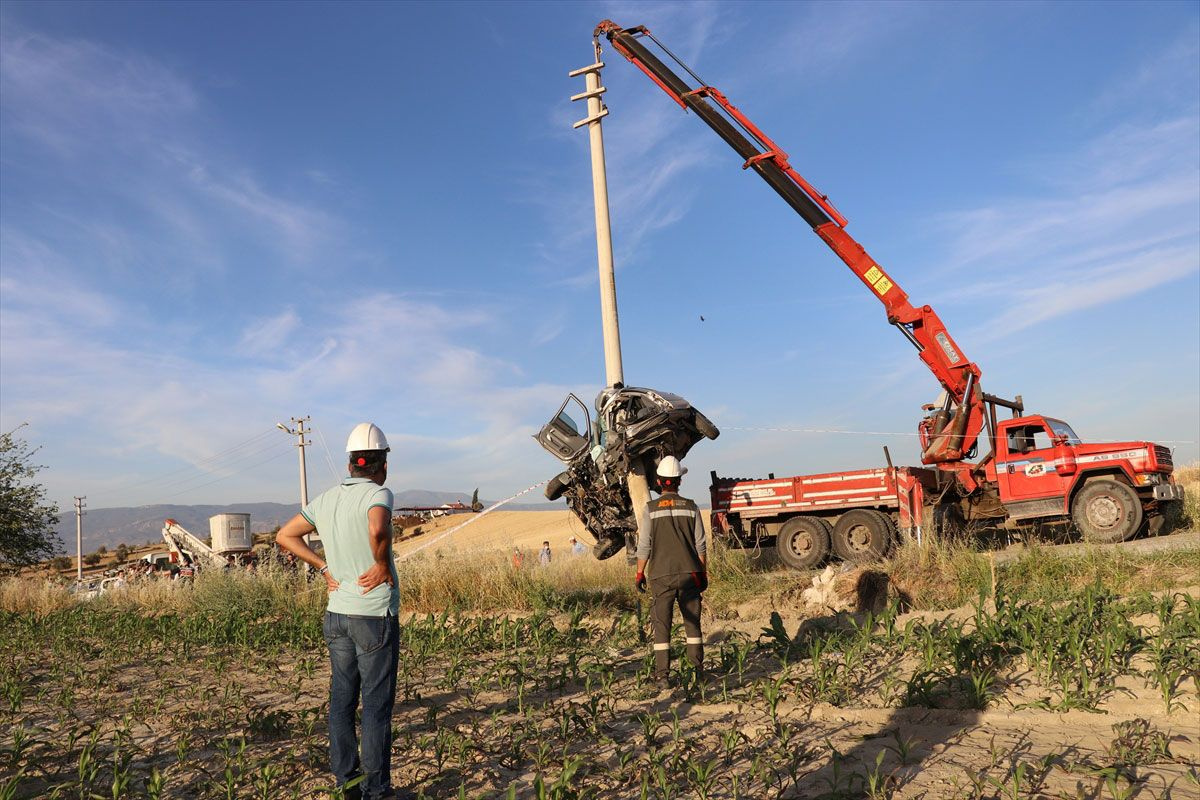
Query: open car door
[{"x": 561, "y": 436}]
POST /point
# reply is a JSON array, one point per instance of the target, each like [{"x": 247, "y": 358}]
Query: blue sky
[{"x": 216, "y": 216}]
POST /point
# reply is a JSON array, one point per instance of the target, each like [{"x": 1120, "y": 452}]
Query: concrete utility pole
[
  {"x": 79, "y": 512},
  {"x": 301, "y": 443},
  {"x": 639, "y": 491},
  {"x": 604, "y": 252},
  {"x": 299, "y": 432}
]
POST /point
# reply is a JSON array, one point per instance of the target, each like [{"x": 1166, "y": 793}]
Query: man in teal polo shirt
[{"x": 354, "y": 520}]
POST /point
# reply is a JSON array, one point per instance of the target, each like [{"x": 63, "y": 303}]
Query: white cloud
[{"x": 266, "y": 335}]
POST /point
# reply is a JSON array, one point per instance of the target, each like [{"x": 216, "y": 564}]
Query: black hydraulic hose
[{"x": 784, "y": 186}]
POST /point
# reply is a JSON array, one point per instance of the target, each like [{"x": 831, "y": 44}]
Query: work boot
[{"x": 661, "y": 681}]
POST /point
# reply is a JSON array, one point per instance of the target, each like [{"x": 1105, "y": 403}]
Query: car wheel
[
  {"x": 862, "y": 535},
  {"x": 557, "y": 486},
  {"x": 1107, "y": 511},
  {"x": 803, "y": 542},
  {"x": 608, "y": 546},
  {"x": 705, "y": 426}
]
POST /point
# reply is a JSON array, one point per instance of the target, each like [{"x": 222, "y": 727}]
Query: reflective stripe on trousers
[{"x": 668, "y": 591}]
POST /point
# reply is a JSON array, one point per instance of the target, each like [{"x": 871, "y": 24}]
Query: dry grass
[
  {"x": 1188, "y": 476},
  {"x": 37, "y": 596}
]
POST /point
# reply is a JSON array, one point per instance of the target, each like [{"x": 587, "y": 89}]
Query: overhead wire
[
  {"x": 230, "y": 475},
  {"x": 177, "y": 476},
  {"x": 328, "y": 456}
]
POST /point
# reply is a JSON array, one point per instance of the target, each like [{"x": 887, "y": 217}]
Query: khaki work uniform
[{"x": 673, "y": 544}]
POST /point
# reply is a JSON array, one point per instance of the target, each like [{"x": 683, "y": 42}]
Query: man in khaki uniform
[{"x": 673, "y": 546}]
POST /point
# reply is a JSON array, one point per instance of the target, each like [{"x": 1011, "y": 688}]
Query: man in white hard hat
[
  {"x": 354, "y": 520},
  {"x": 674, "y": 548}
]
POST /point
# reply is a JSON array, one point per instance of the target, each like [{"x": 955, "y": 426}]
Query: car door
[
  {"x": 562, "y": 436},
  {"x": 1030, "y": 469}
]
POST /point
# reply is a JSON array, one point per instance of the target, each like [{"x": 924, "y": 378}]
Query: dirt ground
[{"x": 218, "y": 723}]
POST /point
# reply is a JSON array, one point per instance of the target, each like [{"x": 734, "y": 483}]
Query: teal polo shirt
[{"x": 340, "y": 517}]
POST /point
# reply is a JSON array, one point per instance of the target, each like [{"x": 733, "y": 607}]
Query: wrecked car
[{"x": 633, "y": 429}]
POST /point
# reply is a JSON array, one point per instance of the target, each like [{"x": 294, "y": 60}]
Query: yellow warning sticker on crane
[{"x": 878, "y": 280}]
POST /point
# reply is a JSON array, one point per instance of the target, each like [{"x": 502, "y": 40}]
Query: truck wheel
[
  {"x": 803, "y": 542},
  {"x": 862, "y": 535},
  {"x": 557, "y": 485},
  {"x": 1107, "y": 511}
]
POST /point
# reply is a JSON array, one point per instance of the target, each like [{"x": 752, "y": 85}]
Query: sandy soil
[{"x": 499, "y": 530}]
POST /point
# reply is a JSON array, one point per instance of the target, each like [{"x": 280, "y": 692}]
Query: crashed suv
[{"x": 634, "y": 428}]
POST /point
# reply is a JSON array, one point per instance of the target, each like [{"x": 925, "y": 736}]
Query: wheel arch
[{"x": 1117, "y": 472}]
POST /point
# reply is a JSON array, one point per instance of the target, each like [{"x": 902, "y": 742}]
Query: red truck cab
[{"x": 1041, "y": 468}]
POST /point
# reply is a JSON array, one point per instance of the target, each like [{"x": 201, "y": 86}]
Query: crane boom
[
  {"x": 191, "y": 547},
  {"x": 949, "y": 433}
]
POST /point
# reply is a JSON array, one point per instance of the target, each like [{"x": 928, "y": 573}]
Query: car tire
[
  {"x": 608, "y": 546},
  {"x": 803, "y": 542},
  {"x": 862, "y": 535},
  {"x": 1107, "y": 511},
  {"x": 705, "y": 426},
  {"x": 557, "y": 486}
]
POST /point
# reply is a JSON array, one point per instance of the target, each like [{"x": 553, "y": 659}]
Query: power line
[
  {"x": 202, "y": 473},
  {"x": 197, "y": 465},
  {"x": 328, "y": 457},
  {"x": 230, "y": 475}
]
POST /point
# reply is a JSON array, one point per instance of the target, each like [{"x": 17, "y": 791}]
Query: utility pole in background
[
  {"x": 639, "y": 490},
  {"x": 299, "y": 432},
  {"x": 79, "y": 512}
]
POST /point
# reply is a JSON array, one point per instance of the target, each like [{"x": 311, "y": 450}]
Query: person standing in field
[
  {"x": 361, "y": 627},
  {"x": 674, "y": 547},
  {"x": 544, "y": 555},
  {"x": 577, "y": 548}
]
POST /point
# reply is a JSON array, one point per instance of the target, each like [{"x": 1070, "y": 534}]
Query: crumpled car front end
[{"x": 634, "y": 428}]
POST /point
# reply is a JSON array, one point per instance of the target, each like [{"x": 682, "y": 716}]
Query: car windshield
[{"x": 1061, "y": 428}]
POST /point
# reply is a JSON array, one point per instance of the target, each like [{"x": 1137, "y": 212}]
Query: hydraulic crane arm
[
  {"x": 949, "y": 433},
  {"x": 190, "y": 546}
]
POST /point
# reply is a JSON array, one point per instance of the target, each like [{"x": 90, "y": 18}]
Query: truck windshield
[{"x": 1061, "y": 428}]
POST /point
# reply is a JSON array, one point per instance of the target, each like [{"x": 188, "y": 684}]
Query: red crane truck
[{"x": 1036, "y": 468}]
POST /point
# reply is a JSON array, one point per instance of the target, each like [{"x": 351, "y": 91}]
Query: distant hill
[{"x": 140, "y": 524}]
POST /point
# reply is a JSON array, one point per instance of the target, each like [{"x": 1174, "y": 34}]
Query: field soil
[{"x": 516, "y": 701}]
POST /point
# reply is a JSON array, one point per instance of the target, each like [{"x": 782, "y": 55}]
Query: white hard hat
[
  {"x": 366, "y": 436},
  {"x": 670, "y": 467}
]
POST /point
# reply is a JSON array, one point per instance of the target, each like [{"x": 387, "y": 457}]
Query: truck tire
[
  {"x": 862, "y": 535},
  {"x": 1107, "y": 511},
  {"x": 803, "y": 542}
]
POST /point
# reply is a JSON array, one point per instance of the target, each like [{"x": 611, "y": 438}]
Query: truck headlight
[{"x": 1148, "y": 479}]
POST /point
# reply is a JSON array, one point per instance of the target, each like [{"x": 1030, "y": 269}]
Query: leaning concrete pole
[{"x": 639, "y": 492}]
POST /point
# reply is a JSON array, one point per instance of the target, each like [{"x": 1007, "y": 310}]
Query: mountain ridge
[{"x": 135, "y": 525}]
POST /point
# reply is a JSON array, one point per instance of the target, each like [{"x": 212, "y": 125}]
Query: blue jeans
[{"x": 364, "y": 652}]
